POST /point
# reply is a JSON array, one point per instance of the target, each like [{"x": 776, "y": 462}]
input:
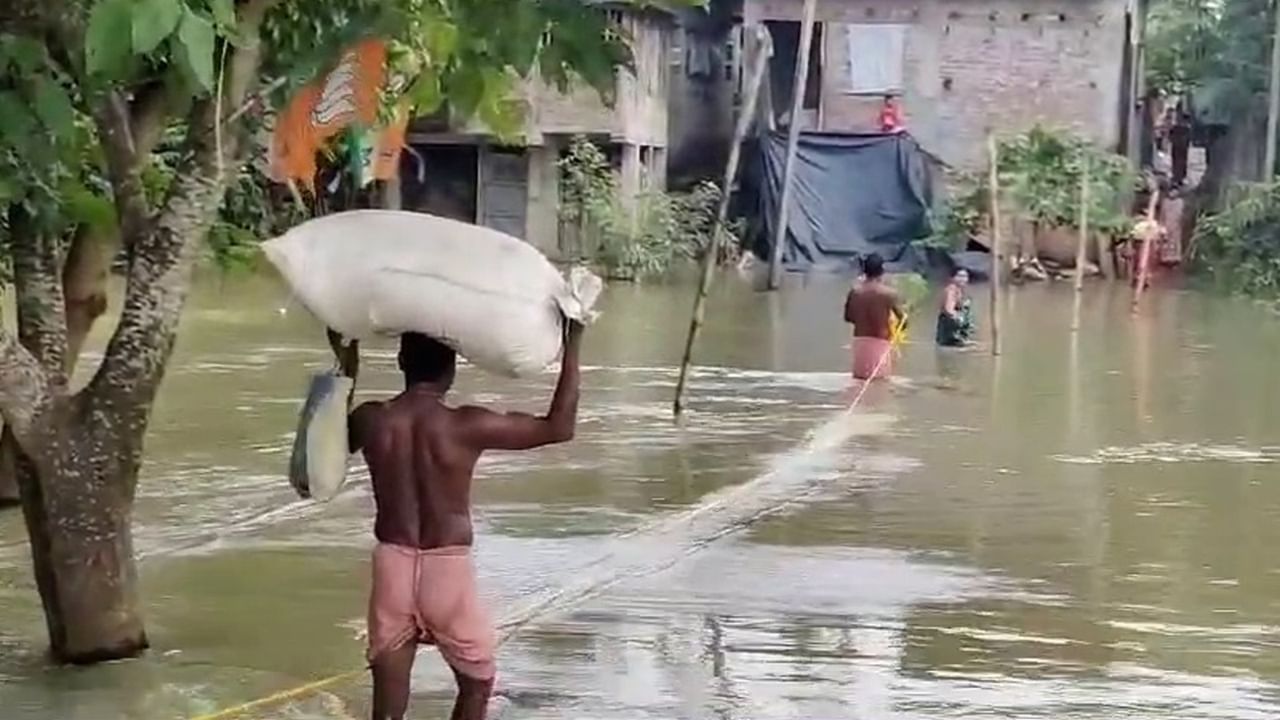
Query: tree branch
[
  {"x": 37, "y": 281},
  {"x": 148, "y": 114},
  {"x": 24, "y": 390},
  {"x": 162, "y": 254},
  {"x": 125, "y": 163}
]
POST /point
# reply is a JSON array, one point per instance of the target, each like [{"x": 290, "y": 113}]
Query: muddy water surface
[{"x": 1080, "y": 529}]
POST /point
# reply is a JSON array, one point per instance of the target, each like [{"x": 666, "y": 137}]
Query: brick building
[
  {"x": 961, "y": 67},
  {"x": 465, "y": 174}
]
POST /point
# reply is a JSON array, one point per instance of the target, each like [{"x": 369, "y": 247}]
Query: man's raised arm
[{"x": 487, "y": 430}]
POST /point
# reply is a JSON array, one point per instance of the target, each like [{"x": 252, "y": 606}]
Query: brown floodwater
[{"x": 1085, "y": 527}]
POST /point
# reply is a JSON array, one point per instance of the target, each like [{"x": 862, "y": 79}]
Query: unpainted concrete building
[
  {"x": 962, "y": 68},
  {"x": 465, "y": 174}
]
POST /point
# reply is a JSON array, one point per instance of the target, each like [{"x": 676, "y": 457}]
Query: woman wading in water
[{"x": 955, "y": 318}]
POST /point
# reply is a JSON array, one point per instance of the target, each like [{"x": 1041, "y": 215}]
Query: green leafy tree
[
  {"x": 1220, "y": 48},
  {"x": 88, "y": 91},
  {"x": 1238, "y": 249},
  {"x": 1218, "y": 52},
  {"x": 1040, "y": 177},
  {"x": 1041, "y": 173}
]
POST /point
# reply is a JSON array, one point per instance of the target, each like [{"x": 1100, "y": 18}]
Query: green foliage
[
  {"x": 644, "y": 239},
  {"x": 467, "y": 54},
  {"x": 1041, "y": 173},
  {"x": 108, "y": 38},
  {"x": 1040, "y": 178},
  {"x": 47, "y": 163},
  {"x": 1220, "y": 48},
  {"x": 913, "y": 291},
  {"x": 1182, "y": 39},
  {"x": 251, "y": 213},
  {"x": 1239, "y": 248},
  {"x": 470, "y": 56},
  {"x": 196, "y": 38},
  {"x": 960, "y": 217},
  {"x": 153, "y": 21}
]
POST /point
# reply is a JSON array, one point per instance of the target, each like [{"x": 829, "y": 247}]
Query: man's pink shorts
[{"x": 429, "y": 596}]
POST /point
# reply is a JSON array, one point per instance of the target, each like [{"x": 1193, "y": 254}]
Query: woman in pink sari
[{"x": 870, "y": 308}]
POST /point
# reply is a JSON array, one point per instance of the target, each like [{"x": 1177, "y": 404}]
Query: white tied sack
[{"x": 492, "y": 297}]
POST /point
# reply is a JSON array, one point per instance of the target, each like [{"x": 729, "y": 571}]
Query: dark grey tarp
[{"x": 851, "y": 195}]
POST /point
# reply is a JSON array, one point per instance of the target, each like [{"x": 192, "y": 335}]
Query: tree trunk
[
  {"x": 77, "y": 504},
  {"x": 78, "y": 455},
  {"x": 8, "y": 477},
  {"x": 84, "y": 281}
]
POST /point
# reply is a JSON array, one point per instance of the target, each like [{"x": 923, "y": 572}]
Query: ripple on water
[{"x": 1168, "y": 452}]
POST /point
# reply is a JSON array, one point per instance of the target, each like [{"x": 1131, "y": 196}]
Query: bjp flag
[{"x": 346, "y": 96}]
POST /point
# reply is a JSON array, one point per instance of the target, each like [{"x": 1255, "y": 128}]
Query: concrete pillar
[
  {"x": 659, "y": 169},
  {"x": 544, "y": 198},
  {"x": 629, "y": 180}
]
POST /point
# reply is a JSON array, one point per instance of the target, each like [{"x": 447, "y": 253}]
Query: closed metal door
[{"x": 505, "y": 191}]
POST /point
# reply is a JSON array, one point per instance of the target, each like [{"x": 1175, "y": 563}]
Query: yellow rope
[
  {"x": 282, "y": 696},
  {"x": 897, "y": 331}
]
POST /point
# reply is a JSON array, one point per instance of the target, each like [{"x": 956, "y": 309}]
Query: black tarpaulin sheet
[{"x": 851, "y": 195}]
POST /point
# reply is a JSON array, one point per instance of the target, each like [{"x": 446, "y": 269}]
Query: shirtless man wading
[{"x": 421, "y": 455}]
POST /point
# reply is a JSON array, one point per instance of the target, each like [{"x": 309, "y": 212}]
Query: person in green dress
[{"x": 955, "y": 318}]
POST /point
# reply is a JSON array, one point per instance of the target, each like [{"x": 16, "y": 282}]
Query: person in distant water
[
  {"x": 421, "y": 454},
  {"x": 872, "y": 308},
  {"x": 955, "y": 318},
  {"x": 891, "y": 116}
]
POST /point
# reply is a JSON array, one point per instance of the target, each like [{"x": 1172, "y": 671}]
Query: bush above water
[
  {"x": 1040, "y": 177},
  {"x": 1239, "y": 248},
  {"x": 631, "y": 240}
]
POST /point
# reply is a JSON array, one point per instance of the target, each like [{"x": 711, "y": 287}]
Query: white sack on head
[{"x": 492, "y": 297}]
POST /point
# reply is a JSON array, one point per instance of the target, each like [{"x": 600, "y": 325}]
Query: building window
[{"x": 874, "y": 58}]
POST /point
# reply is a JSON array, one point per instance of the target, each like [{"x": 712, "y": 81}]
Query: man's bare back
[
  {"x": 421, "y": 455},
  {"x": 868, "y": 308}
]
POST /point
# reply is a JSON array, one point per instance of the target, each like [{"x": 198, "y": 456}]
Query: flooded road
[{"x": 1079, "y": 529}]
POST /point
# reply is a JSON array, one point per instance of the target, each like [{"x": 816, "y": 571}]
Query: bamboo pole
[
  {"x": 993, "y": 190},
  {"x": 1144, "y": 256},
  {"x": 1082, "y": 246},
  {"x": 745, "y": 118},
  {"x": 1273, "y": 100},
  {"x": 793, "y": 140},
  {"x": 1103, "y": 242}
]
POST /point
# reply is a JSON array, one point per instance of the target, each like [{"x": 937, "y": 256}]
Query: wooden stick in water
[
  {"x": 1144, "y": 257},
  {"x": 745, "y": 118},
  {"x": 993, "y": 190},
  {"x": 1082, "y": 246}
]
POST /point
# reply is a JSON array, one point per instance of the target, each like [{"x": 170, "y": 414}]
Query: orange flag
[{"x": 326, "y": 106}]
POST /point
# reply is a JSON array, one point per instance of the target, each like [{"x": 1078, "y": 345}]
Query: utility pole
[
  {"x": 1273, "y": 107},
  {"x": 793, "y": 140}
]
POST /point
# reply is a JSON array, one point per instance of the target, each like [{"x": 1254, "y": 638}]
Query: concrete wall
[
  {"x": 702, "y": 102},
  {"x": 975, "y": 65},
  {"x": 640, "y": 114}
]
